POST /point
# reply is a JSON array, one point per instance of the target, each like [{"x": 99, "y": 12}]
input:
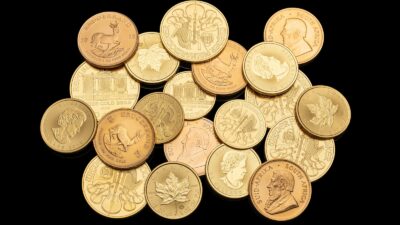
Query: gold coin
[
  {"x": 323, "y": 112},
  {"x": 229, "y": 170},
  {"x": 114, "y": 193},
  {"x": 270, "y": 68},
  {"x": 124, "y": 139},
  {"x": 173, "y": 190},
  {"x": 193, "y": 145},
  {"x": 297, "y": 29},
  {"x": 276, "y": 108},
  {"x": 165, "y": 114},
  {"x": 152, "y": 63},
  {"x": 239, "y": 124},
  {"x": 108, "y": 39},
  {"x": 195, "y": 102},
  {"x": 68, "y": 125},
  {"x": 280, "y": 190},
  {"x": 286, "y": 141},
  {"x": 104, "y": 90},
  {"x": 222, "y": 75},
  {"x": 194, "y": 31}
]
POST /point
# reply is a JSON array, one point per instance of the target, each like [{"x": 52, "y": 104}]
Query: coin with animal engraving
[
  {"x": 194, "y": 31},
  {"x": 114, "y": 193},
  {"x": 108, "y": 39},
  {"x": 68, "y": 125},
  {"x": 173, "y": 190},
  {"x": 280, "y": 190},
  {"x": 297, "y": 29},
  {"x": 125, "y": 139}
]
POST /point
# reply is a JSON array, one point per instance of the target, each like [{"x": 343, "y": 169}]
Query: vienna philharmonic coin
[
  {"x": 108, "y": 39},
  {"x": 151, "y": 62},
  {"x": 297, "y": 29},
  {"x": 173, "y": 190},
  {"x": 323, "y": 112},
  {"x": 287, "y": 141},
  {"x": 239, "y": 124},
  {"x": 195, "y": 102},
  {"x": 104, "y": 90},
  {"x": 194, "y": 31},
  {"x": 222, "y": 75},
  {"x": 229, "y": 170},
  {"x": 124, "y": 139},
  {"x": 114, "y": 193},
  {"x": 193, "y": 145},
  {"x": 68, "y": 125},
  {"x": 280, "y": 190}
]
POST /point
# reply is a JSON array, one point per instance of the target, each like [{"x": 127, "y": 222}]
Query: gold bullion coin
[
  {"x": 151, "y": 63},
  {"x": 297, "y": 29},
  {"x": 239, "y": 124},
  {"x": 193, "y": 145},
  {"x": 323, "y": 112},
  {"x": 287, "y": 141},
  {"x": 68, "y": 125},
  {"x": 280, "y": 190},
  {"x": 194, "y": 31},
  {"x": 104, "y": 90},
  {"x": 165, "y": 114},
  {"x": 195, "y": 102},
  {"x": 222, "y": 75},
  {"x": 108, "y": 39},
  {"x": 173, "y": 190},
  {"x": 276, "y": 108},
  {"x": 270, "y": 68},
  {"x": 124, "y": 139},
  {"x": 229, "y": 170},
  {"x": 114, "y": 193}
]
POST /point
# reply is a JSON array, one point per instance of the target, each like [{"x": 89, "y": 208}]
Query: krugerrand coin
[
  {"x": 194, "y": 31},
  {"x": 124, "y": 139},
  {"x": 297, "y": 29},
  {"x": 104, "y": 90},
  {"x": 193, "y": 145},
  {"x": 151, "y": 63},
  {"x": 114, "y": 193},
  {"x": 229, "y": 170},
  {"x": 108, "y": 39},
  {"x": 173, "y": 190},
  {"x": 68, "y": 125},
  {"x": 323, "y": 112},
  {"x": 280, "y": 190}
]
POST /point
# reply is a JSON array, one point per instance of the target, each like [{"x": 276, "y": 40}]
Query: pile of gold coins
[{"x": 104, "y": 108}]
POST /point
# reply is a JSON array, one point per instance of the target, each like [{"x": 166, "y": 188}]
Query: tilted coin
[
  {"x": 114, "y": 193},
  {"x": 68, "y": 125}
]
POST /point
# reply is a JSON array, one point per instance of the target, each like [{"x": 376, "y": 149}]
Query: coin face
[
  {"x": 323, "y": 112},
  {"x": 114, "y": 193},
  {"x": 297, "y": 29},
  {"x": 124, "y": 139},
  {"x": 68, "y": 125},
  {"x": 165, "y": 114},
  {"x": 270, "y": 68},
  {"x": 280, "y": 190},
  {"x": 104, "y": 90},
  {"x": 229, "y": 170},
  {"x": 276, "y": 108},
  {"x": 195, "y": 102},
  {"x": 193, "y": 145},
  {"x": 173, "y": 190},
  {"x": 151, "y": 63},
  {"x": 222, "y": 75},
  {"x": 194, "y": 31},
  {"x": 239, "y": 124},
  {"x": 108, "y": 39}
]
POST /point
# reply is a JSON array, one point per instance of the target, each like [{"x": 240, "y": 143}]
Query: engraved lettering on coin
[
  {"x": 69, "y": 122},
  {"x": 152, "y": 57},
  {"x": 268, "y": 67},
  {"x": 294, "y": 33},
  {"x": 323, "y": 111},
  {"x": 117, "y": 139},
  {"x": 105, "y": 44},
  {"x": 173, "y": 189},
  {"x": 233, "y": 166}
]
